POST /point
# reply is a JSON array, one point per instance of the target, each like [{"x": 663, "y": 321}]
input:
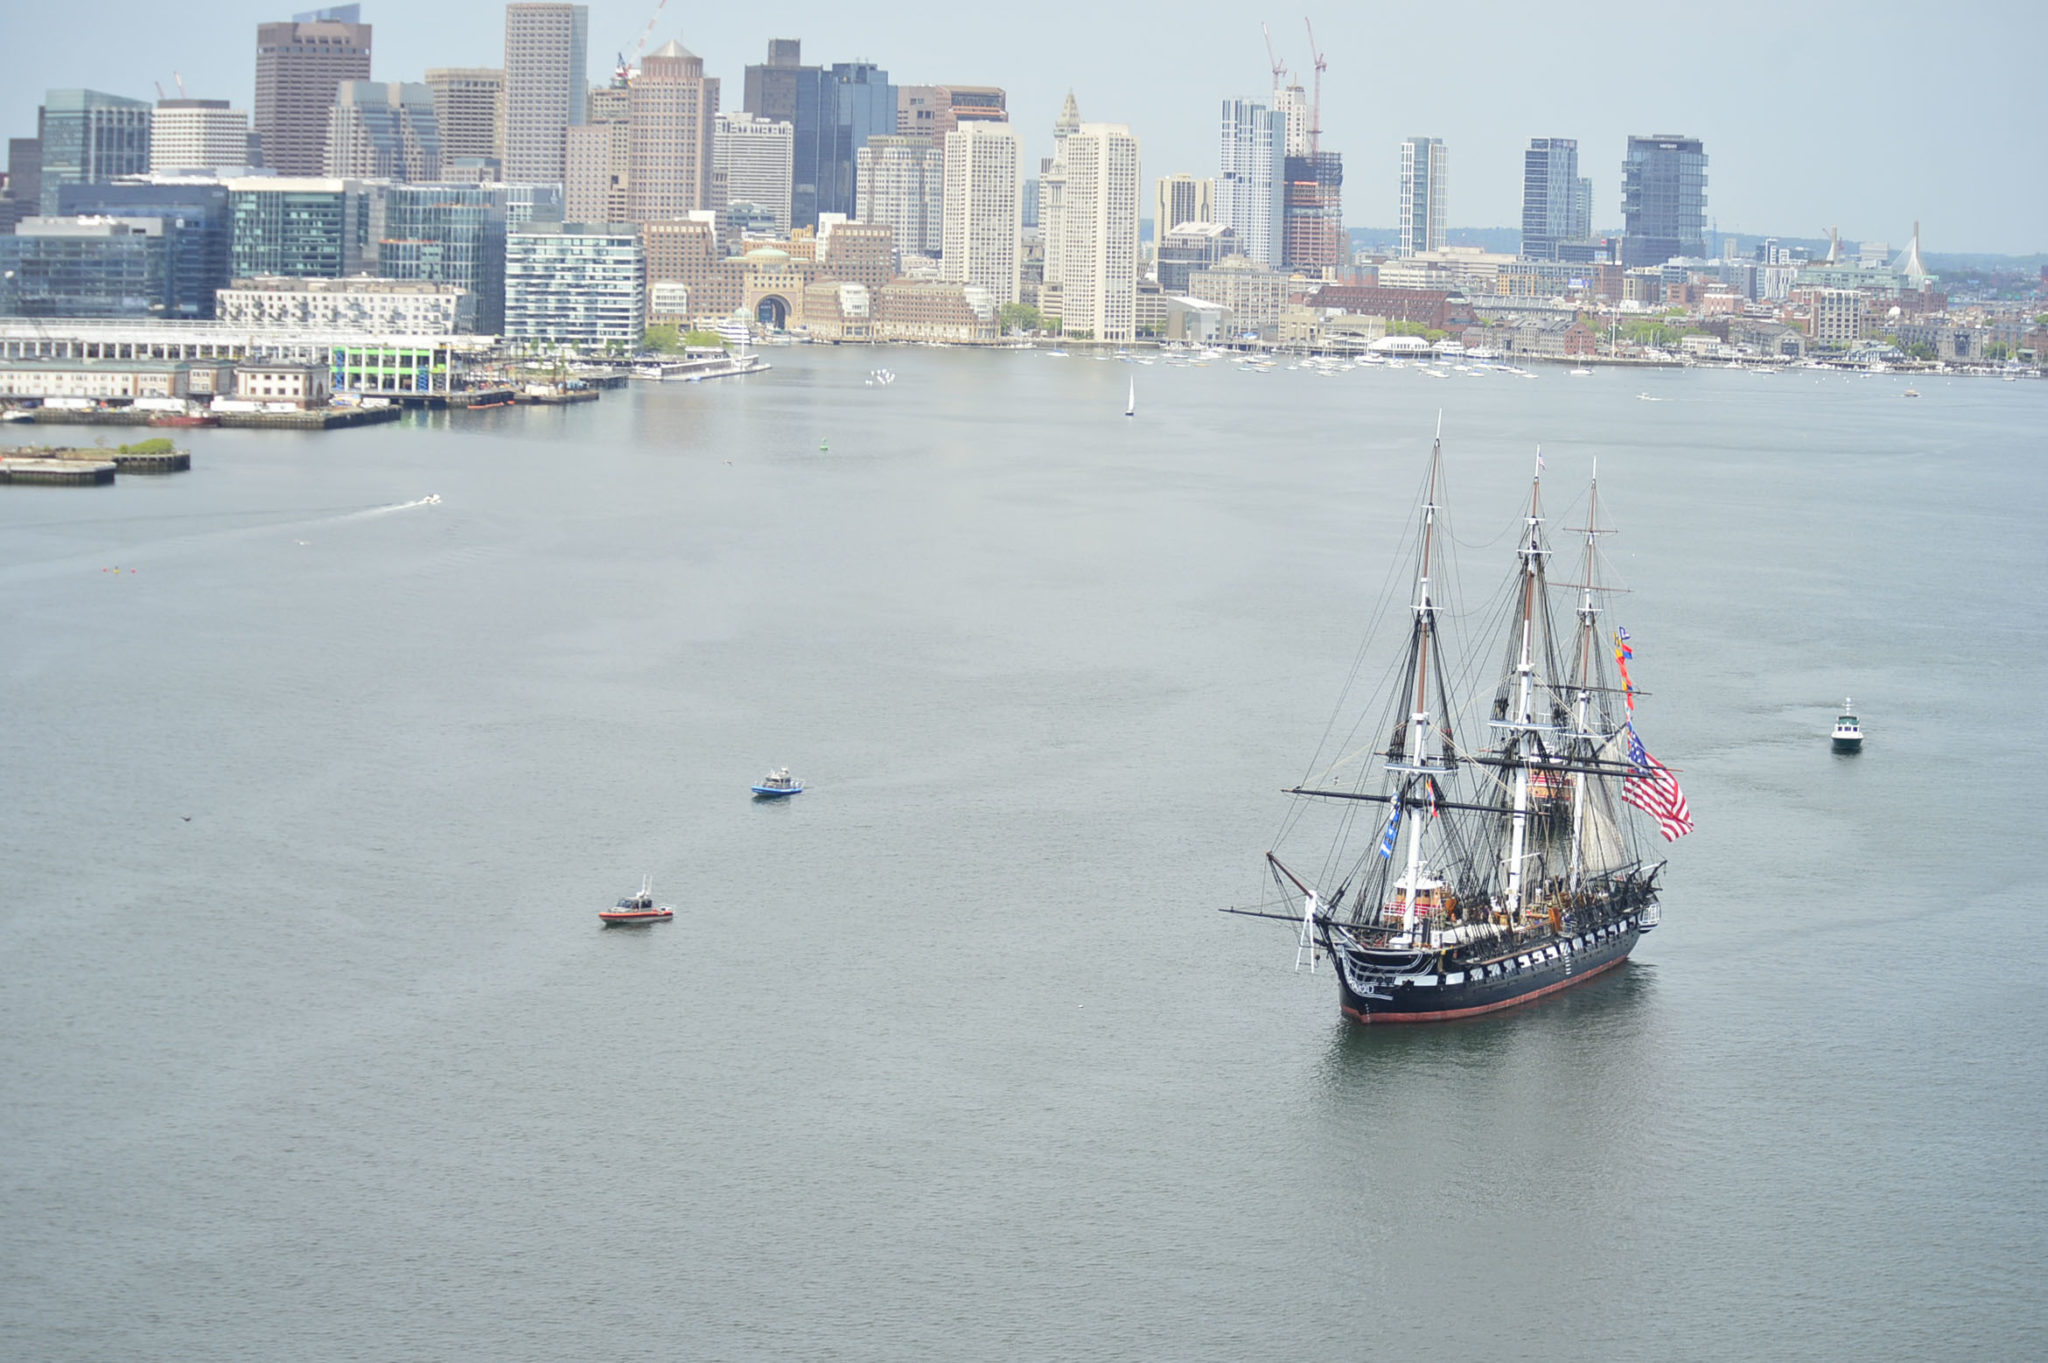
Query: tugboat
[
  {"x": 1474, "y": 873},
  {"x": 777, "y": 785},
  {"x": 637, "y": 910},
  {"x": 1848, "y": 735}
]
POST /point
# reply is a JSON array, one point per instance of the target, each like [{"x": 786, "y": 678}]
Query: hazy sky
[{"x": 1863, "y": 115}]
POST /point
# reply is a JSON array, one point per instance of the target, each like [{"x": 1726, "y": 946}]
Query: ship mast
[
  {"x": 1582, "y": 717},
  {"x": 1414, "y": 754},
  {"x": 1525, "y": 668}
]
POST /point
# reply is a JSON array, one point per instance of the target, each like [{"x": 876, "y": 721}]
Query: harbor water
[{"x": 311, "y": 1045}]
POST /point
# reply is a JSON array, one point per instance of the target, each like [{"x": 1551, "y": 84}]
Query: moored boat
[
  {"x": 637, "y": 910},
  {"x": 1471, "y": 876}
]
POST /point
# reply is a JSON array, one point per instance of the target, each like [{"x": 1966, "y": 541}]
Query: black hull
[{"x": 1370, "y": 991}]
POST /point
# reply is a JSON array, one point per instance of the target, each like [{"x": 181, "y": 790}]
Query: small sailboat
[
  {"x": 1848, "y": 734},
  {"x": 778, "y": 784},
  {"x": 1131, "y": 403},
  {"x": 637, "y": 910}
]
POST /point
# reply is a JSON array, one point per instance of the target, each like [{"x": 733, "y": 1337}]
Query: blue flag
[{"x": 1393, "y": 830}]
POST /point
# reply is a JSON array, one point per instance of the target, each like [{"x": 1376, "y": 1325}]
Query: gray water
[{"x": 311, "y": 1045}]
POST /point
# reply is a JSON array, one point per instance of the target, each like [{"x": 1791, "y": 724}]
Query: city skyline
[{"x": 1882, "y": 170}]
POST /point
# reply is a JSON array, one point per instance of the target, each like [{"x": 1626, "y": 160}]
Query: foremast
[{"x": 1416, "y": 790}]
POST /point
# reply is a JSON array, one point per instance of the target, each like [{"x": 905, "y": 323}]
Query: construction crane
[
  {"x": 628, "y": 66},
  {"x": 1315, "y": 108},
  {"x": 1279, "y": 67}
]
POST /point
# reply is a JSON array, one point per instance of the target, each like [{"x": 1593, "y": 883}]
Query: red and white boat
[{"x": 636, "y": 910}]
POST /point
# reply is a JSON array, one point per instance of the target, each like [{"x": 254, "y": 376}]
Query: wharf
[
  {"x": 70, "y": 466},
  {"x": 322, "y": 419},
  {"x": 57, "y": 472}
]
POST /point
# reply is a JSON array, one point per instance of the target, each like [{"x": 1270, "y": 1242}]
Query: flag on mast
[
  {"x": 1652, "y": 788},
  {"x": 1393, "y": 831},
  {"x": 1622, "y": 653}
]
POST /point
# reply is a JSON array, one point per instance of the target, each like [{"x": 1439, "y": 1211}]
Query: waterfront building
[
  {"x": 983, "y": 223},
  {"x": 86, "y": 136},
  {"x": 85, "y": 267},
  {"x": 299, "y": 65},
  {"x": 1182, "y": 198},
  {"x": 1425, "y": 179},
  {"x": 1557, "y": 205},
  {"x": 379, "y": 130},
  {"x": 1099, "y": 233},
  {"x": 271, "y": 382},
  {"x": 115, "y": 380},
  {"x": 902, "y": 182},
  {"x": 1252, "y": 293},
  {"x": 1837, "y": 317},
  {"x": 1436, "y": 309},
  {"x": 469, "y": 106},
  {"x": 1251, "y": 183},
  {"x": 672, "y": 110},
  {"x": 450, "y": 235},
  {"x": 364, "y": 304},
  {"x": 1312, "y": 213},
  {"x": 1663, "y": 199},
  {"x": 196, "y": 134},
  {"x": 194, "y": 213},
  {"x": 756, "y": 157},
  {"x": 303, "y": 227},
  {"x": 575, "y": 284},
  {"x": 918, "y": 310},
  {"x": 857, "y": 252},
  {"x": 1189, "y": 247},
  {"x": 547, "y": 60},
  {"x": 688, "y": 276}
]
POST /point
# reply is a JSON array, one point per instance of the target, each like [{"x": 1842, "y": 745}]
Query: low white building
[
  {"x": 359, "y": 304},
  {"x": 302, "y": 385}
]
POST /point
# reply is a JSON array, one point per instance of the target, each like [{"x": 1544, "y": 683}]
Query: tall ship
[{"x": 1481, "y": 850}]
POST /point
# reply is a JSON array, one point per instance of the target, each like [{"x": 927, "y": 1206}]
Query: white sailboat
[{"x": 1131, "y": 403}]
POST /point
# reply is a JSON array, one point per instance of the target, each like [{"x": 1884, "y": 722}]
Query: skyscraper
[
  {"x": 1663, "y": 199},
  {"x": 1313, "y": 211},
  {"x": 755, "y": 156},
  {"x": 379, "y": 130},
  {"x": 303, "y": 228},
  {"x": 469, "y": 104},
  {"x": 197, "y": 134},
  {"x": 298, "y": 66},
  {"x": 1291, "y": 102},
  {"x": 673, "y": 111},
  {"x": 983, "y": 214},
  {"x": 855, "y": 102},
  {"x": 88, "y": 136},
  {"x": 1425, "y": 175},
  {"x": 1182, "y": 198},
  {"x": 902, "y": 183},
  {"x": 1099, "y": 230},
  {"x": 1052, "y": 191},
  {"x": 1556, "y": 203},
  {"x": 547, "y": 83},
  {"x": 1250, "y": 186}
]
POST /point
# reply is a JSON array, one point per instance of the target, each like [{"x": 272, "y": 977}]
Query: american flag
[{"x": 1652, "y": 788}]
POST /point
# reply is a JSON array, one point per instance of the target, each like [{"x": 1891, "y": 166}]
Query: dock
[{"x": 67, "y": 466}]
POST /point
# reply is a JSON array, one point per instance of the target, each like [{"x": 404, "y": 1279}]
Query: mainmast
[
  {"x": 1584, "y": 672},
  {"x": 1525, "y": 685}
]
